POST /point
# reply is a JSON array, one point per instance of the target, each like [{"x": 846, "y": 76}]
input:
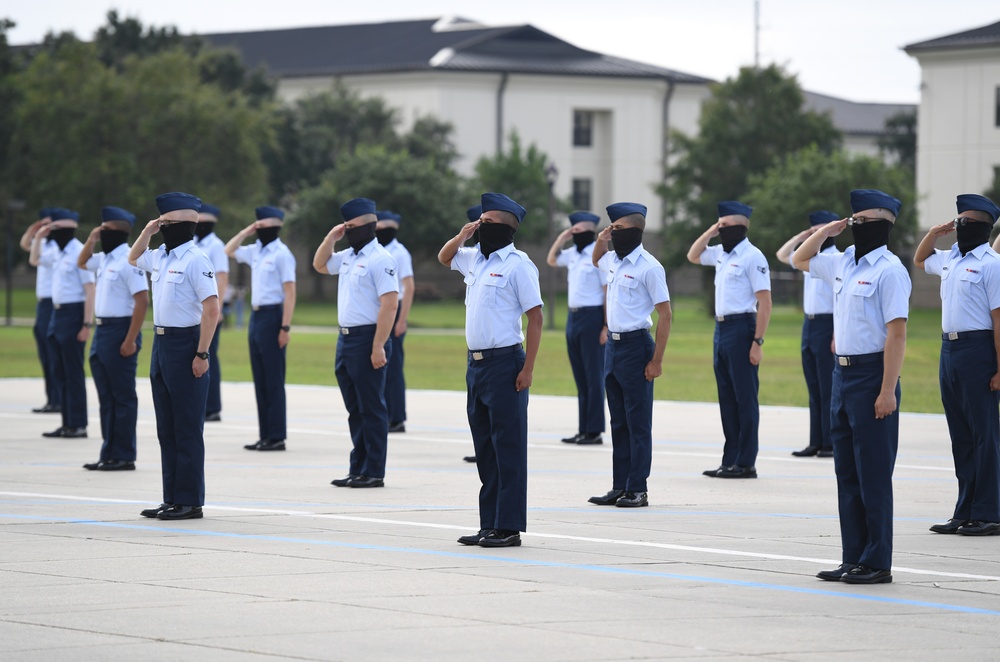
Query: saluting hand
[
  {"x": 337, "y": 233},
  {"x": 713, "y": 230},
  {"x": 604, "y": 235},
  {"x": 378, "y": 357},
  {"x": 44, "y": 231},
  {"x": 468, "y": 230},
  {"x": 833, "y": 228},
  {"x": 94, "y": 235},
  {"x": 942, "y": 230},
  {"x": 152, "y": 227}
]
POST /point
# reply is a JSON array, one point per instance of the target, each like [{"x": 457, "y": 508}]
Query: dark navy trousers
[
  {"x": 43, "y": 316},
  {"x": 737, "y": 382},
  {"x": 179, "y": 403},
  {"x": 630, "y": 400},
  {"x": 214, "y": 403},
  {"x": 586, "y": 358},
  {"x": 66, "y": 355},
  {"x": 817, "y": 366},
  {"x": 114, "y": 378},
  {"x": 498, "y": 420},
  {"x": 864, "y": 454},
  {"x": 970, "y": 407},
  {"x": 395, "y": 380},
  {"x": 363, "y": 390},
  {"x": 267, "y": 362}
]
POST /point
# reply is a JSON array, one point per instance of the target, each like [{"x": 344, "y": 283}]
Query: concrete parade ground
[{"x": 285, "y": 566}]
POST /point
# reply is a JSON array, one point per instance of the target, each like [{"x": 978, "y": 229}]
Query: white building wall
[{"x": 958, "y": 144}]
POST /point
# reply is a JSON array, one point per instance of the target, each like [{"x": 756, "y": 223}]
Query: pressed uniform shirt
[
  {"x": 586, "y": 287},
  {"x": 215, "y": 249},
  {"x": 271, "y": 267},
  {"x": 866, "y": 296},
  {"x": 635, "y": 285},
  {"x": 970, "y": 287},
  {"x": 67, "y": 278},
  {"x": 739, "y": 274},
  {"x": 182, "y": 279},
  {"x": 117, "y": 282},
  {"x": 404, "y": 262},
  {"x": 364, "y": 278},
  {"x": 817, "y": 295},
  {"x": 43, "y": 276},
  {"x": 498, "y": 290}
]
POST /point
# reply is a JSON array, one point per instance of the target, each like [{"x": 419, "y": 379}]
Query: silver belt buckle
[
  {"x": 953, "y": 335},
  {"x": 98, "y": 321},
  {"x": 844, "y": 360},
  {"x": 255, "y": 308},
  {"x": 344, "y": 330},
  {"x": 160, "y": 331},
  {"x": 616, "y": 336},
  {"x": 720, "y": 318},
  {"x": 477, "y": 356}
]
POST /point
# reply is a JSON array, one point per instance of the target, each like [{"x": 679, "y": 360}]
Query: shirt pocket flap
[
  {"x": 174, "y": 277},
  {"x": 733, "y": 271},
  {"x": 110, "y": 275},
  {"x": 493, "y": 280},
  {"x": 628, "y": 282},
  {"x": 865, "y": 291},
  {"x": 970, "y": 276}
]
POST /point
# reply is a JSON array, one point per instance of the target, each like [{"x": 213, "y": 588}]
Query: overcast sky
[{"x": 844, "y": 48}]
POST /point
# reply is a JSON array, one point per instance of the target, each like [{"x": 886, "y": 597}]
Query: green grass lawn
[{"x": 435, "y": 359}]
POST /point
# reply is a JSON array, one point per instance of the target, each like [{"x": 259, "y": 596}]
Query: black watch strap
[
  {"x": 202, "y": 355},
  {"x": 286, "y": 328}
]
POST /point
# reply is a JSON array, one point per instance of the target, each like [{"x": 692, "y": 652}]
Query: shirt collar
[
  {"x": 874, "y": 255},
  {"x": 268, "y": 249},
  {"x": 502, "y": 253},
  {"x": 208, "y": 236},
  {"x": 367, "y": 248},
  {"x": 119, "y": 249},
  {"x": 181, "y": 250},
  {"x": 634, "y": 256},
  {"x": 830, "y": 249},
  {"x": 978, "y": 251},
  {"x": 740, "y": 247}
]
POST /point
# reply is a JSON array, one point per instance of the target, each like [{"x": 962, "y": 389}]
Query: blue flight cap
[
  {"x": 734, "y": 208},
  {"x": 211, "y": 209},
  {"x": 357, "y": 207},
  {"x": 584, "y": 217},
  {"x": 619, "y": 209},
  {"x": 44, "y": 212},
  {"x": 473, "y": 213},
  {"x": 823, "y": 217},
  {"x": 176, "y": 201},
  {"x": 500, "y": 202},
  {"x": 867, "y": 198},
  {"x": 971, "y": 201},
  {"x": 269, "y": 212},
  {"x": 63, "y": 214},
  {"x": 383, "y": 215},
  {"x": 117, "y": 214}
]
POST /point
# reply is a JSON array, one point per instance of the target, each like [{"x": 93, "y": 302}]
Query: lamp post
[
  {"x": 551, "y": 175},
  {"x": 12, "y": 206}
]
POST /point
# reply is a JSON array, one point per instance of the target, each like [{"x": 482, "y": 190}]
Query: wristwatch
[
  {"x": 88, "y": 325},
  {"x": 286, "y": 328},
  {"x": 202, "y": 355},
  {"x": 759, "y": 341}
]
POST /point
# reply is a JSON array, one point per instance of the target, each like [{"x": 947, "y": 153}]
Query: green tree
[
  {"x": 993, "y": 192},
  {"x": 748, "y": 125},
  {"x": 519, "y": 174},
  {"x": 812, "y": 180},
  {"x": 900, "y": 140}
]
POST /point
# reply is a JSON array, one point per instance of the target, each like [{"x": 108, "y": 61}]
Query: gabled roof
[
  {"x": 864, "y": 119},
  {"x": 983, "y": 37},
  {"x": 431, "y": 45}
]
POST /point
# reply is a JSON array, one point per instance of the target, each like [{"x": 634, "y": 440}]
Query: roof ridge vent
[
  {"x": 454, "y": 23},
  {"x": 441, "y": 57}
]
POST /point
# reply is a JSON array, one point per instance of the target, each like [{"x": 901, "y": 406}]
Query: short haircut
[
  {"x": 634, "y": 220},
  {"x": 123, "y": 226},
  {"x": 366, "y": 219},
  {"x": 980, "y": 215},
  {"x": 506, "y": 218}
]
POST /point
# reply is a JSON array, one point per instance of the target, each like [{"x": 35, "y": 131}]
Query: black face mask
[
  {"x": 830, "y": 241},
  {"x": 971, "y": 235},
  {"x": 625, "y": 241},
  {"x": 175, "y": 234},
  {"x": 385, "y": 235},
  {"x": 112, "y": 239},
  {"x": 494, "y": 236},
  {"x": 869, "y": 236},
  {"x": 583, "y": 239},
  {"x": 202, "y": 230},
  {"x": 360, "y": 236},
  {"x": 267, "y": 235},
  {"x": 62, "y": 236},
  {"x": 731, "y": 235}
]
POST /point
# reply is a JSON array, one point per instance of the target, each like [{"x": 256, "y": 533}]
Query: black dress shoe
[
  {"x": 590, "y": 440},
  {"x": 365, "y": 481},
  {"x": 214, "y": 417},
  {"x": 712, "y": 473},
  {"x": 67, "y": 433},
  {"x": 470, "y": 458},
  {"x": 180, "y": 512},
  {"x": 979, "y": 528},
  {"x": 736, "y": 471},
  {"x": 397, "y": 427},
  {"x": 633, "y": 500},
  {"x": 862, "y": 574},
  {"x": 266, "y": 445},
  {"x": 808, "y": 451},
  {"x": 92, "y": 466},
  {"x": 609, "y": 499},
  {"x": 47, "y": 408},
  {"x": 835, "y": 574},
  {"x": 501, "y": 538},
  {"x": 475, "y": 537},
  {"x": 343, "y": 482},
  {"x": 951, "y": 526},
  {"x": 116, "y": 465},
  {"x": 574, "y": 439},
  {"x": 153, "y": 512},
  {"x": 825, "y": 452}
]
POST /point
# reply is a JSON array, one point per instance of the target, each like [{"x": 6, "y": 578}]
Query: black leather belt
[
  {"x": 109, "y": 320},
  {"x": 579, "y": 309},
  {"x": 57, "y": 306},
  {"x": 366, "y": 328},
  {"x": 818, "y": 315},
  {"x": 614, "y": 335},
  {"x": 480, "y": 354},
  {"x": 733, "y": 318},
  {"x": 860, "y": 359},
  {"x": 265, "y": 307},
  {"x": 966, "y": 335},
  {"x": 175, "y": 330}
]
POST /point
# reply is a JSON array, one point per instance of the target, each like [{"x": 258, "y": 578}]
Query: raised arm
[
  {"x": 142, "y": 242},
  {"x": 36, "y": 245},
  {"x": 784, "y": 253},
  {"x": 325, "y": 250},
  {"x": 601, "y": 247},
  {"x": 87, "y": 251},
  {"x": 238, "y": 240},
  {"x": 926, "y": 246},
  {"x": 450, "y": 249},
  {"x": 810, "y": 247},
  {"x": 701, "y": 243},
  {"x": 556, "y": 247}
]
